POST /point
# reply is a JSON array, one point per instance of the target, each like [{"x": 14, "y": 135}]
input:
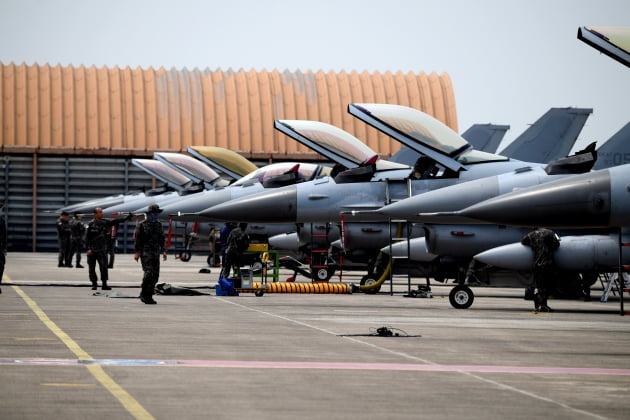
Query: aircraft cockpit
[
  {"x": 278, "y": 171},
  {"x": 164, "y": 173},
  {"x": 336, "y": 144},
  {"x": 424, "y": 134},
  {"x": 199, "y": 172}
]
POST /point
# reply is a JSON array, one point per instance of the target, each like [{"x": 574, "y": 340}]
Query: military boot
[
  {"x": 105, "y": 286},
  {"x": 94, "y": 286}
]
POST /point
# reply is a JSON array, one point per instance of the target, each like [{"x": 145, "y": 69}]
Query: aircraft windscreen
[
  {"x": 223, "y": 158},
  {"x": 418, "y": 126},
  {"x": 190, "y": 165},
  {"x": 333, "y": 139},
  {"x": 306, "y": 171},
  {"x": 161, "y": 171}
]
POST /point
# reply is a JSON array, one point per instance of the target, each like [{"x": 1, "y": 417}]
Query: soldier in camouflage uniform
[
  {"x": 149, "y": 246},
  {"x": 98, "y": 231},
  {"x": 543, "y": 242},
  {"x": 77, "y": 229},
  {"x": 64, "y": 240},
  {"x": 237, "y": 244}
]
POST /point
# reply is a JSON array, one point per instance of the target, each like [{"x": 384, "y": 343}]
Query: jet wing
[
  {"x": 612, "y": 41},
  {"x": 224, "y": 160},
  {"x": 188, "y": 166},
  {"x": 164, "y": 173}
]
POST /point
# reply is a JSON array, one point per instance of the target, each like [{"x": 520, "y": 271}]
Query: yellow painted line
[
  {"x": 131, "y": 405},
  {"x": 69, "y": 385}
]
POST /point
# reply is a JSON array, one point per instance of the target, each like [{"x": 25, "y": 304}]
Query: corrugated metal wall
[
  {"x": 83, "y": 110},
  {"x": 53, "y": 182}
]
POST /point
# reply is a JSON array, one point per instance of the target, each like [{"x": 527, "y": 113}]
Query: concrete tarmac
[{"x": 68, "y": 353}]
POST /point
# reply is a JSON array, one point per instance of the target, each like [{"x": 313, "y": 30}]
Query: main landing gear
[{"x": 461, "y": 297}]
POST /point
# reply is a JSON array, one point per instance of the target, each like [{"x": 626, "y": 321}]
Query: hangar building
[{"x": 68, "y": 134}]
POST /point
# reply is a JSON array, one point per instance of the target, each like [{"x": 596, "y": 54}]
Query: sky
[{"x": 509, "y": 61}]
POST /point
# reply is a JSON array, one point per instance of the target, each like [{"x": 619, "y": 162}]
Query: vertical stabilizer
[
  {"x": 551, "y": 137},
  {"x": 615, "y": 151}
]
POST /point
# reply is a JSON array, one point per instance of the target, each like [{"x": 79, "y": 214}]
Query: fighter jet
[
  {"x": 198, "y": 176},
  {"x": 359, "y": 238},
  {"x": 595, "y": 199},
  {"x": 269, "y": 176},
  {"x": 354, "y": 186},
  {"x": 172, "y": 179},
  {"x": 456, "y": 241},
  {"x": 447, "y": 159}
]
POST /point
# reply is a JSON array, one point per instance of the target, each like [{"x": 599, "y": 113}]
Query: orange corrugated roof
[{"x": 136, "y": 111}]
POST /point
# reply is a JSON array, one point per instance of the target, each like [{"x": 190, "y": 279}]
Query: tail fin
[
  {"x": 615, "y": 151},
  {"x": 485, "y": 137},
  {"x": 551, "y": 137}
]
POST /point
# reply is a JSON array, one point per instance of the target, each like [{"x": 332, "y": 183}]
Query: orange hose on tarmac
[{"x": 321, "y": 288}]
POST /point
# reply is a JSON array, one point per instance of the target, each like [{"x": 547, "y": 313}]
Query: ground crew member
[
  {"x": 149, "y": 245},
  {"x": 224, "y": 233},
  {"x": 98, "y": 230},
  {"x": 111, "y": 246},
  {"x": 3, "y": 245},
  {"x": 237, "y": 244},
  {"x": 64, "y": 240},
  {"x": 543, "y": 242},
  {"x": 77, "y": 230}
]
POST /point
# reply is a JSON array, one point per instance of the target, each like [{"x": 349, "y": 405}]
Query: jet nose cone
[
  {"x": 576, "y": 201},
  {"x": 274, "y": 206},
  {"x": 401, "y": 209},
  {"x": 185, "y": 209}
]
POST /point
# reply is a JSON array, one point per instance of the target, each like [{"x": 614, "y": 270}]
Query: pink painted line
[{"x": 246, "y": 364}]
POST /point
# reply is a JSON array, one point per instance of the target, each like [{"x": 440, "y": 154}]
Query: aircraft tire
[
  {"x": 322, "y": 274},
  {"x": 366, "y": 281},
  {"x": 461, "y": 297},
  {"x": 185, "y": 256}
]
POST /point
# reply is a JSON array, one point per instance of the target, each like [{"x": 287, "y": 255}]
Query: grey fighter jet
[
  {"x": 447, "y": 159},
  {"x": 595, "y": 199},
  {"x": 198, "y": 176},
  {"x": 455, "y": 241},
  {"x": 173, "y": 180}
]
